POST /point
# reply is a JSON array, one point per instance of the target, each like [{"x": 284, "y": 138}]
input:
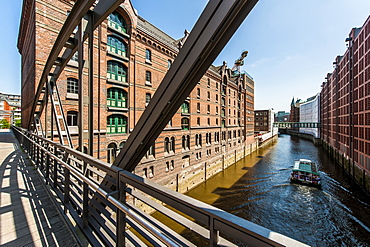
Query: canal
[{"x": 257, "y": 188}]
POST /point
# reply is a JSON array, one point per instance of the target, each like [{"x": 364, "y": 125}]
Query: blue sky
[{"x": 292, "y": 43}]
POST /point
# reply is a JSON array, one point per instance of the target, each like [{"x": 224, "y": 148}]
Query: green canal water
[{"x": 257, "y": 189}]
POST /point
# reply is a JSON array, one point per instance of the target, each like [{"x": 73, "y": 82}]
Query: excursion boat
[{"x": 305, "y": 172}]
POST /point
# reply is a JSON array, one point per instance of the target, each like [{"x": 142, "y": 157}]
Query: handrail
[{"x": 100, "y": 198}]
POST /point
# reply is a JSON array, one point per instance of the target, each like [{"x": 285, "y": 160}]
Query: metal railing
[
  {"x": 111, "y": 206},
  {"x": 297, "y": 124}
]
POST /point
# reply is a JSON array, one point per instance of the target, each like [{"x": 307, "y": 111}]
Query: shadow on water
[{"x": 257, "y": 188}]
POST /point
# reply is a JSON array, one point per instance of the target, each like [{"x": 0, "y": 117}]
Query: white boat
[{"x": 305, "y": 172}]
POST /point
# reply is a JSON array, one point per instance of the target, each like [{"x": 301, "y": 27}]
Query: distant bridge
[{"x": 297, "y": 125}]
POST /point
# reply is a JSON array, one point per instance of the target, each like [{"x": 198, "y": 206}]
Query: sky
[{"x": 291, "y": 43}]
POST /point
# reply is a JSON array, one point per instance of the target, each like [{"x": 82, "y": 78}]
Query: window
[
  {"x": 198, "y": 121},
  {"x": 185, "y": 107},
  {"x": 117, "y": 46},
  {"x": 216, "y": 110},
  {"x": 111, "y": 153},
  {"x": 121, "y": 145},
  {"x": 151, "y": 171},
  {"x": 117, "y": 22},
  {"x": 148, "y": 55},
  {"x": 116, "y": 71},
  {"x": 208, "y": 121},
  {"x": 185, "y": 142},
  {"x": 216, "y": 98},
  {"x": 148, "y": 97},
  {"x": 72, "y": 85},
  {"x": 216, "y": 121},
  {"x": 169, "y": 64},
  {"x": 72, "y": 118},
  {"x": 209, "y": 82},
  {"x": 117, "y": 97},
  {"x": 208, "y": 96},
  {"x": 116, "y": 124},
  {"x": 198, "y": 107},
  {"x": 148, "y": 78},
  {"x": 208, "y": 109},
  {"x": 198, "y": 92},
  {"x": 75, "y": 57},
  {"x": 185, "y": 123},
  {"x": 197, "y": 140},
  {"x": 150, "y": 152},
  {"x": 169, "y": 145}
]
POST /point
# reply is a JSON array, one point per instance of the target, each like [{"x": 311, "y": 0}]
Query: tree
[
  {"x": 17, "y": 123},
  {"x": 4, "y": 124}
]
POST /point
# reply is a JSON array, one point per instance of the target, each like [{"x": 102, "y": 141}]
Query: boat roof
[{"x": 306, "y": 166}]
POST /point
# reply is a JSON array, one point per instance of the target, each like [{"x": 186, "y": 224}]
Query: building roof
[{"x": 152, "y": 31}]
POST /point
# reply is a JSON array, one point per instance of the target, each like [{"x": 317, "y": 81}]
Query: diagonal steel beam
[
  {"x": 218, "y": 22},
  {"x": 79, "y": 10}
]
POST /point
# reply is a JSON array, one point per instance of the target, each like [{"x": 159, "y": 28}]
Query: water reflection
[{"x": 258, "y": 189}]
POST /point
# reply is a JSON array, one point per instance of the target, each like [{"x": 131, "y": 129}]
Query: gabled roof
[{"x": 151, "y": 30}]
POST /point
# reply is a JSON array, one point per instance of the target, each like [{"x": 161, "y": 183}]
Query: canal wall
[
  {"x": 200, "y": 172},
  {"x": 316, "y": 141},
  {"x": 357, "y": 173},
  {"x": 188, "y": 179}
]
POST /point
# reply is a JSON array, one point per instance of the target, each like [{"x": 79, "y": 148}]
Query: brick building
[
  {"x": 213, "y": 127},
  {"x": 263, "y": 120},
  {"x": 10, "y": 107},
  {"x": 345, "y": 106}
]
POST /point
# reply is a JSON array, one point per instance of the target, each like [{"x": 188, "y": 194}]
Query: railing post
[
  {"x": 55, "y": 169},
  {"x": 42, "y": 160},
  {"x": 213, "y": 233},
  {"x": 66, "y": 188},
  {"x": 85, "y": 198},
  {"x": 121, "y": 216},
  {"x": 47, "y": 172}
]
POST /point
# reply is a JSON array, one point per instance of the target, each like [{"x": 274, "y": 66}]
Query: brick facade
[
  {"x": 345, "y": 105},
  {"x": 219, "y": 111}
]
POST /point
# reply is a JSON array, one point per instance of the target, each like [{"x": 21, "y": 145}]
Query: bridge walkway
[{"x": 28, "y": 215}]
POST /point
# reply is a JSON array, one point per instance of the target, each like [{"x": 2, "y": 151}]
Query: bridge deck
[{"x": 27, "y": 214}]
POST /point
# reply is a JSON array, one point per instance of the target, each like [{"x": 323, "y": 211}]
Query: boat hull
[{"x": 304, "y": 182}]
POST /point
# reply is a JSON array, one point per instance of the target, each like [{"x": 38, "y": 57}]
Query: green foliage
[
  {"x": 17, "y": 123},
  {"x": 4, "y": 124}
]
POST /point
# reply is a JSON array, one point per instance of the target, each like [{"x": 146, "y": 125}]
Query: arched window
[
  {"x": 117, "y": 97},
  {"x": 111, "y": 152},
  {"x": 185, "y": 107},
  {"x": 185, "y": 123},
  {"x": 72, "y": 85},
  {"x": 169, "y": 145},
  {"x": 150, "y": 152},
  {"x": 116, "y": 124},
  {"x": 117, "y": 22},
  {"x": 116, "y": 71},
  {"x": 115, "y": 45},
  {"x": 185, "y": 142},
  {"x": 121, "y": 145},
  {"x": 72, "y": 118}
]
